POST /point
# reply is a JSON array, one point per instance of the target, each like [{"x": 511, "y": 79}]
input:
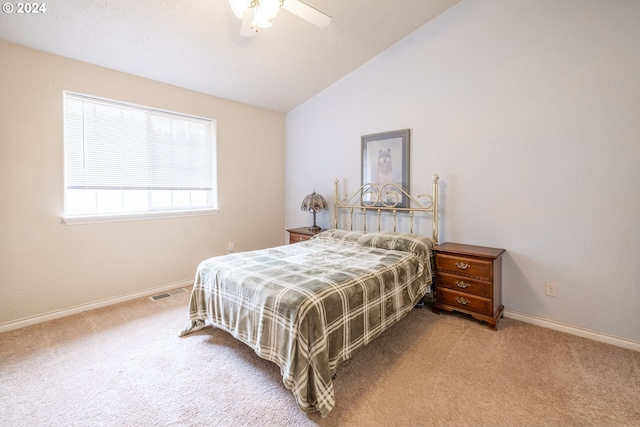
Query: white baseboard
[
  {"x": 28, "y": 321},
  {"x": 527, "y": 318},
  {"x": 574, "y": 330}
]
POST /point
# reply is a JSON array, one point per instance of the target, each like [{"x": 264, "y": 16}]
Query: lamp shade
[{"x": 314, "y": 203}]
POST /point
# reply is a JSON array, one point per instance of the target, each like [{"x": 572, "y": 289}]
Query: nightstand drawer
[
  {"x": 295, "y": 237},
  {"x": 464, "y": 265},
  {"x": 301, "y": 234},
  {"x": 464, "y": 284},
  {"x": 464, "y": 301}
]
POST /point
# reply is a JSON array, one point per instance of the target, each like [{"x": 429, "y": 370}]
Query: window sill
[{"x": 95, "y": 219}]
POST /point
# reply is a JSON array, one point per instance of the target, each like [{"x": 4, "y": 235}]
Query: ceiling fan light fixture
[
  {"x": 257, "y": 14},
  {"x": 267, "y": 9},
  {"x": 263, "y": 10}
]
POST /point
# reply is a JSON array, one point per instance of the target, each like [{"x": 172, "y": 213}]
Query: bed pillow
[
  {"x": 416, "y": 244},
  {"x": 407, "y": 242},
  {"x": 336, "y": 235}
]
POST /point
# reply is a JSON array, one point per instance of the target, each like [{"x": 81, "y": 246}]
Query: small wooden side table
[{"x": 469, "y": 280}]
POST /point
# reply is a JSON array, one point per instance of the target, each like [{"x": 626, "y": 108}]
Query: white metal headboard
[{"x": 387, "y": 198}]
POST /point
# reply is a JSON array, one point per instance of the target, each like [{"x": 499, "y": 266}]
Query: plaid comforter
[{"x": 311, "y": 305}]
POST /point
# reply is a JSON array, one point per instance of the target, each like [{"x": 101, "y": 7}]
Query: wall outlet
[
  {"x": 550, "y": 289},
  {"x": 231, "y": 247}
]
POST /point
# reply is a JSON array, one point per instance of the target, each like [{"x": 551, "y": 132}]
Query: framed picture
[{"x": 385, "y": 161}]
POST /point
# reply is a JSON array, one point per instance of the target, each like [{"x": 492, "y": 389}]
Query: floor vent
[{"x": 168, "y": 294}]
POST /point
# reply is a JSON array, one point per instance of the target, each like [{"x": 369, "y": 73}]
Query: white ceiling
[{"x": 196, "y": 44}]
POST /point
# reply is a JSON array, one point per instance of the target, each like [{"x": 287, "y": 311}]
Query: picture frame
[{"x": 385, "y": 164}]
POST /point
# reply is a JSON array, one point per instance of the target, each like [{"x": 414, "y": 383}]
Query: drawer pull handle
[
  {"x": 462, "y": 265},
  {"x": 462, "y": 301},
  {"x": 300, "y": 239},
  {"x": 462, "y": 284}
]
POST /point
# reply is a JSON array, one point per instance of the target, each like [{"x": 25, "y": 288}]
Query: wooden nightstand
[
  {"x": 301, "y": 234},
  {"x": 469, "y": 280}
]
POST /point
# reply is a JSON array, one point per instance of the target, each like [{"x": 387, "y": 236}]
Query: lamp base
[{"x": 314, "y": 228}]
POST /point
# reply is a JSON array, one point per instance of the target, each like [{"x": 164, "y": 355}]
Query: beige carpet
[{"x": 125, "y": 366}]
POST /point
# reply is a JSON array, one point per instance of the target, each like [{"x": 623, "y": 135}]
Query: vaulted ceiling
[{"x": 196, "y": 44}]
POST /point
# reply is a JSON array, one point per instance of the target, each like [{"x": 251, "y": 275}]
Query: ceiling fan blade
[
  {"x": 247, "y": 29},
  {"x": 307, "y": 13}
]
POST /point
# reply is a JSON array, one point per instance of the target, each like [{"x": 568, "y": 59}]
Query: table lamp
[{"x": 314, "y": 202}]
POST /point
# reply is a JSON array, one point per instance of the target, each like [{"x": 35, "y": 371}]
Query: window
[{"x": 125, "y": 161}]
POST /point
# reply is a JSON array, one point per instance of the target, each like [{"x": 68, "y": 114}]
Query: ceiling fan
[{"x": 257, "y": 14}]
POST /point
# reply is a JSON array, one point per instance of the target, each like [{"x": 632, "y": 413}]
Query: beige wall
[{"x": 49, "y": 267}]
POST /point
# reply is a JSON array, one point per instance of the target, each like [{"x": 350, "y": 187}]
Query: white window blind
[{"x": 126, "y": 160}]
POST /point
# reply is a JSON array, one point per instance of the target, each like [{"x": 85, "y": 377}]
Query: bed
[{"x": 311, "y": 305}]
